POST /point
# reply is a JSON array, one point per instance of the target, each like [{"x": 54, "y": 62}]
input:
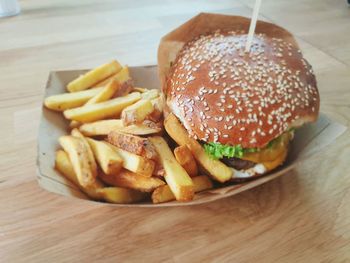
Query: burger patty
[{"x": 238, "y": 164}]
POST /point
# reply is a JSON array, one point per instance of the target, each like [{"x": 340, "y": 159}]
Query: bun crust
[{"x": 222, "y": 94}]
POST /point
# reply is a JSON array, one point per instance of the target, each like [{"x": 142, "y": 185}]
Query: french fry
[
  {"x": 175, "y": 175},
  {"x": 94, "y": 76},
  {"x": 164, "y": 194},
  {"x": 158, "y": 103},
  {"x": 135, "y": 163},
  {"x": 79, "y": 157},
  {"x": 136, "y": 112},
  {"x": 108, "y": 159},
  {"x": 116, "y": 195},
  {"x": 105, "y": 94},
  {"x": 64, "y": 166},
  {"x": 76, "y": 133},
  {"x": 141, "y": 90},
  {"x": 150, "y": 94},
  {"x": 74, "y": 124},
  {"x": 102, "y": 110},
  {"x": 67, "y": 101},
  {"x": 132, "y": 180},
  {"x": 119, "y": 195},
  {"x": 218, "y": 170},
  {"x": 158, "y": 170},
  {"x": 141, "y": 129},
  {"x": 134, "y": 144},
  {"x": 104, "y": 127},
  {"x": 122, "y": 76},
  {"x": 185, "y": 158}
]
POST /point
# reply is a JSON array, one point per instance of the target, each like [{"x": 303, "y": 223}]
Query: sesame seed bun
[{"x": 222, "y": 94}]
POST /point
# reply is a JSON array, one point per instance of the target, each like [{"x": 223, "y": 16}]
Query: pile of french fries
[{"x": 117, "y": 151}]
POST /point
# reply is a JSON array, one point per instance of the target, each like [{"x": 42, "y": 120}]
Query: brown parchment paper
[{"x": 308, "y": 140}]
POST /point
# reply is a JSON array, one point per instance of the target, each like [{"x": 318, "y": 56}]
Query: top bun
[{"x": 222, "y": 94}]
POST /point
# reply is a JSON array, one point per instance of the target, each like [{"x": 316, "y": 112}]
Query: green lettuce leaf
[{"x": 218, "y": 150}]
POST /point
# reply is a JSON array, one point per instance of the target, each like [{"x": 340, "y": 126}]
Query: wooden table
[{"x": 303, "y": 216}]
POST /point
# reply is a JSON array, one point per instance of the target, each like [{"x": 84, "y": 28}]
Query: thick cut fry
[
  {"x": 141, "y": 90},
  {"x": 74, "y": 124},
  {"x": 176, "y": 176},
  {"x": 184, "y": 157},
  {"x": 76, "y": 133},
  {"x": 141, "y": 129},
  {"x": 108, "y": 159},
  {"x": 164, "y": 194},
  {"x": 150, "y": 94},
  {"x": 67, "y": 101},
  {"x": 104, "y": 127},
  {"x": 218, "y": 170},
  {"x": 131, "y": 143},
  {"x": 79, "y": 157},
  {"x": 106, "y": 93},
  {"x": 64, "y": 166},
  {"x": 122, "y": 76},
  {"x": 94, "y": 76},
  {"x": 158, "y": 103},
  {"x": 159, "y": 170},
  {"x": 102, "y": 110},
  {"x": 132, "y": 180},
  {"x": 137, "y": 112},
  {"x": 135, "y": 163},
  {"x": 118, "y": 195}
]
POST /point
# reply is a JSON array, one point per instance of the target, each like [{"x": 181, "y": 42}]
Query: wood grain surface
[{"x": 304, "y": 216}]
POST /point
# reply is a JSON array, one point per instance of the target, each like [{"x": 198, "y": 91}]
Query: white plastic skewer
[{"x": 252, "y": 25}]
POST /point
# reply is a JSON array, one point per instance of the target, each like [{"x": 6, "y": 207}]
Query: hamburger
[{"x": 243, "y": 107}]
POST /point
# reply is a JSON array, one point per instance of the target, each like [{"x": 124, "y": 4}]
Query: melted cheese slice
[{"x": 270, "y": 154}]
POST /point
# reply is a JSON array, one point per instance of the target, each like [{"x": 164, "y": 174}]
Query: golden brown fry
[
  {"x": 158, "y": 103},
  {"x": 79, "y": 157},
  {"x": 102, "y": 110},
  {"x": 175, "y": 175},
  {"x": 64, "y": 166},
  {"x": 158, "y": 169},
  {"x": 74, "y": 124},
  {"x": 119, "y": 195},
  {"x": 135, "y": 163},
  {"x": 164, "y": 194},
  {"x": 122, "y": 76},
  {"x": 65, "y": 101},
  {"x": 94, "y": 76},
  {"x": 76, "y": 133},
  {"x": 106, "y": 93},
  {"x": 185, "y": 158},
  {"x": 150, "y": 94},
  {"x": 132, "y": 180},
  {"x": 137, "y": 112},
  {"x": 141, "y": 129},
  {"x": 141, "y": 90},
  {"x": 108, "y": 159},
  {"x": 134, "y": 144},
  {"x": 218, "y": 170},
  {"x": 104, "y": 127}
]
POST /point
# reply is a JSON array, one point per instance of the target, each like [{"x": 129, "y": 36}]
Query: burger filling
[{"x": 245, "y": 158}]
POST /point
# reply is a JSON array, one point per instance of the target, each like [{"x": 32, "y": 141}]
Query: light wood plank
[{"x": 300, "y": 217}]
